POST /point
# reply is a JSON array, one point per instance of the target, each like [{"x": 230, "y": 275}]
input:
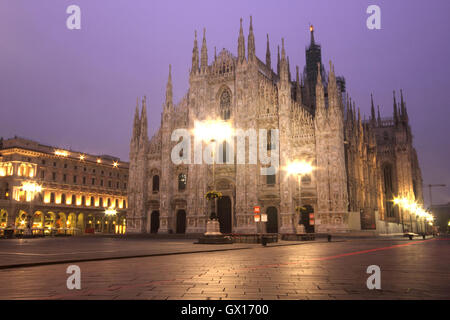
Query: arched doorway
[
  {"x": 3, "y": 218},
  {"x": 224, "y": 214},
  {"x": 307, "y": 215},
  {"x": 38, "y": 220},
  {"x": 154, "y": 222},
  {"x": 80, "y": 222},
  {"x": 272, "y": 220},
  {"x": 181, "y": 221},
  {"x": 61, "y": 221},
  {"x": 21, "y": 220},
  {"x": 72, "y": 222},
  {"x": 49, "y": 221}
]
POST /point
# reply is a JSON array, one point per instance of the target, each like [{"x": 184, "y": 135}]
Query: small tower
[
  {"x": 204, "y": 58},
  {"x": 195, "y": 56},
  {"x": 268, "y": 59},
  {"x": 241, "y": 45},
  {"x": 251, "y": 42}
]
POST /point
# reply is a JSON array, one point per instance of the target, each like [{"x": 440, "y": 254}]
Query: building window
[
  {"x": 109, "y": 202},
  {"x": 52, "y": 197},
  {"x": 225, "y": 104},
  {"x": 100, "y": 201},
  {"x": 155, "y": 184},
  {"x": 42, "y": 174},
  {"x": 124, "y": 204},
  {"x": 54, "y": 164},
  {"x": 117, "y": 185},
  {"x": 54, "y": 176},
  {"x": 117, "y": 203},
  {"x": 65, "y": 165},
  {"x": 75, "y": 168},
  {"x": 306, "y": 179},
  {"x": 74, "y": 179},
  {"x": 63, "y": 198},
  {"x": 93, "y": 181},
  {"x": 74, "y": 200},
  {"x": 181, "y": 182},
  {"x": 92, "y": 201},
  {"x": 109, "y": 184},
  {"x": 43, "y": 161},
  {"x": 270, "y": 179},
  {"x": 64, "y": 177},
  {"x": 125, "y": 185},
  {"x": 101, "y": 182},
  {"x": 388, "y": 190}
]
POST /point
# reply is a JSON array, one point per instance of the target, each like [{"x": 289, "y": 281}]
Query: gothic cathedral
[{"x": 360, "y": 165}]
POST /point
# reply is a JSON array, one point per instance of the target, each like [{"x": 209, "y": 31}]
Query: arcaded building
[
  {"x": 49, "y": 190},
  {"x": 359, "y": 165}
]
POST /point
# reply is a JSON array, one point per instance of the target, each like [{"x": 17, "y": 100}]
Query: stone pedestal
[
  {"x": 300, "y": 229},
  {"x": 213, "y": 228},
  {"x": 213, "y": 234}
]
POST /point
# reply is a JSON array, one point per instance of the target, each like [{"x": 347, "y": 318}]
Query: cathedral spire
[
  {"x": 204, "y": 62},
  {"x": 320, "y": 98},
  {"x": 298, "y": 88},
  {"x": 284, "y": 74},
  {"x": 268, "y": 59},
  {"x": 143, "y": 134},
  {"x": 136, "y": 123},
  {"x": 251, "y": 42},
  {"x": 241, "y": 45},
  {"x": 278, "y": 61},
  {"x": 289, "y": 69},
  {"x": 169, "y": 94},
  {"x": 195, "y": 55},
  {"x": 333, "y": 100},
  {"x": 311, "y": 30},
  {"x": 379, "y": 117},
  {"x": 372, "y": 111},
  {"x": 404, "y": 113},
  {"x": 395, "y": 110}
]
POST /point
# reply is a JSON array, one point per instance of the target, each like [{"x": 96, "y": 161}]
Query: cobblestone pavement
[
  {"x": 16, "y": 252},
  {"x": 409, "y": 270}
]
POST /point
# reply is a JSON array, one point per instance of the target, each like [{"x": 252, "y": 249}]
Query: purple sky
[{"x": 77, "y": 88}]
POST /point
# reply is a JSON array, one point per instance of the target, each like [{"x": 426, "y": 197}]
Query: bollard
[
  {"x": 329, "y": 238},
  {"x": 263, "y": 241},
  {"x": 423, "y": 236}
]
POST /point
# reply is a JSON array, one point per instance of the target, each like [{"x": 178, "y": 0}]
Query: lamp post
[
  {"x": 33, "y": 189},
  {"x": 299, "y": 168},
  {"x": 213, "y": 131}
]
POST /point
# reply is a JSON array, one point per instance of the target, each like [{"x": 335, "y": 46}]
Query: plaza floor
[{"x": 179, "y": 269}]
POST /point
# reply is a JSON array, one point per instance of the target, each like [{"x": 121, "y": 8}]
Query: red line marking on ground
[{"x": 118, "y": 287}]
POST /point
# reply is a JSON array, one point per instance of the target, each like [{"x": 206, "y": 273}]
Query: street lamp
[
  {"x": 299, "y": 168},
  {"x": 31, "y": 189},
  {"x": 214, "y": 132}
]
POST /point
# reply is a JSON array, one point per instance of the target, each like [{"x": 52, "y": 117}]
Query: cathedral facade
[{"x": 359, "y": 165}]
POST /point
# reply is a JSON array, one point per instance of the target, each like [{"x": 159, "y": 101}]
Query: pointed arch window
[
  {"x": 182, "y": 181},
  {"x": 155, "y": 184},
  {"x": 388, "y": 190},
  {"x": 225, "y": 104}
]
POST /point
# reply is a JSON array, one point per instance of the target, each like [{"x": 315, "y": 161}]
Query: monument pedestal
[{"x": 213, "y": 234}]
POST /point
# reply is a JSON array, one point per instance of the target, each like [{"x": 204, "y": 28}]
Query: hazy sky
[{"x": 78, "y": 88}]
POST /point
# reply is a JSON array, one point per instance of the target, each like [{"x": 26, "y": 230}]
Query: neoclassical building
[
  {"x": 359, "y": 165},
  {"x": 47, "y": 190}
]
